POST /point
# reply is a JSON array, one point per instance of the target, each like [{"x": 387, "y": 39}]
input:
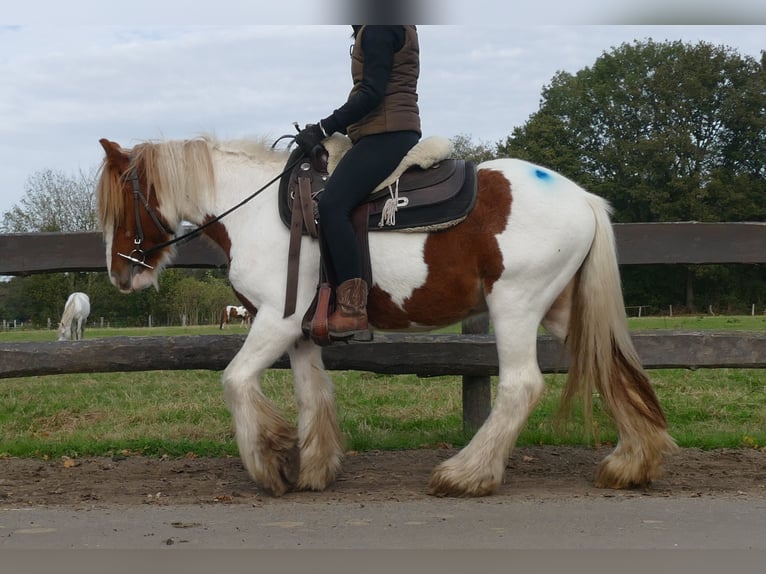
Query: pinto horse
[
  {"x": 535, "y": 249},
  {"x": 76, "y": 311},
  {"x": 231, "y": 312}
]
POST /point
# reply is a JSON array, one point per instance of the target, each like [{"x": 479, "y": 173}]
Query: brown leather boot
[{"x": 350, "y": 315}]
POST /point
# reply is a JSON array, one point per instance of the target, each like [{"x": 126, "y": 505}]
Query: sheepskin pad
[{"x": 424, "y": 154}]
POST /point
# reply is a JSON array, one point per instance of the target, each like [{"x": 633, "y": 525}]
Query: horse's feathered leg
[
  {"x": 321, "y": 444},
  {"x": 479, "y": 468},
  {"x": 268, "y": 443}
]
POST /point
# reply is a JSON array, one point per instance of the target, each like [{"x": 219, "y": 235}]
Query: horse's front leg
[
  {"x": 267, "y": 441},
  {"x": 479, "y": 469},
  {"x": 321, "y": 443}
]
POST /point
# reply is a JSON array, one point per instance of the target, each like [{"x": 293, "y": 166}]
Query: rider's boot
[{"x": 350, "y": 315}]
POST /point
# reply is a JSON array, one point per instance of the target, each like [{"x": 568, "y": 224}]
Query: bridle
[{"x": 138, "y": 255}]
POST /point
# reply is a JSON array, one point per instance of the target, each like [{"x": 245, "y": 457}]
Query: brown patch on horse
[
  {"x": 217, "y": 233},
  {"x": 463, "y": 262},
  {"x": 383, "y": 313}
]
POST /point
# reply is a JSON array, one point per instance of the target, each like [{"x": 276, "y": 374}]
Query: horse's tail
[
  {"x": 224, "y": 317},
  {"x": 603, "y": 358}
]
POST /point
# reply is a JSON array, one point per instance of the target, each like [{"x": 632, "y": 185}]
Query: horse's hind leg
[
  {"x": 268, "y": 443},
  {"x": 479, "y": 468},
  {"x": 556, "y": 320},
  {"x": 321, "y": 444}
]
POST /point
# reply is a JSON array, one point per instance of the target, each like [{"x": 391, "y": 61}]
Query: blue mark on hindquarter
[{"x": 542, "y": 174}]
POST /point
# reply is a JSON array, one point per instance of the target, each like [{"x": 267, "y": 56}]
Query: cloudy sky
[{"x": 66, "y": 83}]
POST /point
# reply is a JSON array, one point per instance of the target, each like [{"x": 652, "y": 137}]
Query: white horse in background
[{"x": 75, "y": 315}]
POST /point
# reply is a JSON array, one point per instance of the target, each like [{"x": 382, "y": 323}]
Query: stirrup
[
  {"x": 359, "y": 336},
  {"x": 364, "y": 336}
]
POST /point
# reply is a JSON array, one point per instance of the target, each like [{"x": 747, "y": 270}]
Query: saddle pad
[{"x": 426, "y": 209}]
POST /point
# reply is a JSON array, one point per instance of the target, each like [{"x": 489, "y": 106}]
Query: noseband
[{"x": 138, "y": 255}]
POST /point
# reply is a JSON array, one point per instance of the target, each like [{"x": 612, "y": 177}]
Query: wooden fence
[{"x": 471, "y": 355}]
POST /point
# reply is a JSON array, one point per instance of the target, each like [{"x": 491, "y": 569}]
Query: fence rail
[
  {"x": 423, "y": 355},
  {"x": 472, "y": 355},
  {"x": 637, "y": 243}
]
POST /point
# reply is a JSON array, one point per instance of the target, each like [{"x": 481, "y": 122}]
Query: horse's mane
[
  {"x": 66, "y": 318},
  {"x": 178, "y": 169}
]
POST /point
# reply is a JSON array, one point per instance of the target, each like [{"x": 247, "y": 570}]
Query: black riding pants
[{"x": 369, "y": 161}]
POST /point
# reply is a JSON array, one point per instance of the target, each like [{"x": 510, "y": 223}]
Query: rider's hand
[{"x": 309, "y": 137}]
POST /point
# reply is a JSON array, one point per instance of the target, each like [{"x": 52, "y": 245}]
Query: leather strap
[
  {"x": 294, "y": 251},
  {"x": 307, "y": 205}
]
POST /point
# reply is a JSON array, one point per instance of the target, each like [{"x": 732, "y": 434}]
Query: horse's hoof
[
  {"x": 290, "y": 467},
  {"x": 442, "y": 485},
  {"x": 615, "y": 474},
  {"x": 285, "y": 473}
]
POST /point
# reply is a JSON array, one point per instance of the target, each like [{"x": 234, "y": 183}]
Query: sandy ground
[{"x": 532, "y": 473}]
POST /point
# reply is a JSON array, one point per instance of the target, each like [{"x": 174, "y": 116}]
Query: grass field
[
  {"x": 682, "y": 323},
  {"x": 177, "y": 412}
]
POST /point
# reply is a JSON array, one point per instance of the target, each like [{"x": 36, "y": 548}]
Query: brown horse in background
[{"x": 231, "y": 312}]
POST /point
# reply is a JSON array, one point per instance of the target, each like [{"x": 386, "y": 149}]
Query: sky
[{"x": 68, "y": 80}]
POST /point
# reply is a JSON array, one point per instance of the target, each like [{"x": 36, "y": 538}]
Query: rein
[{"x": 138, "y": 255}]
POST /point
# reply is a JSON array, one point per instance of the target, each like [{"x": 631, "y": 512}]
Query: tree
[
  {"x": 54, "y": 201},
  {"x": 199, "y": 300},
  {"x": 665, "y": 131},
  {"x": 464, "y": 148}
]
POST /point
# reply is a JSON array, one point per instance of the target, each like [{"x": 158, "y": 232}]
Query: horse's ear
[{"x": 113, "y": 150}]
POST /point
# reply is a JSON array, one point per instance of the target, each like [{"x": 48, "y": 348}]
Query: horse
[
  {"x": 231, "y": 312},
  {"x": 76, "y": 311},
  {"x": 535, "y": 249}
]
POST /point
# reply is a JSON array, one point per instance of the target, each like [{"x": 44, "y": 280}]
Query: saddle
[{"x": 428, "y": 192}]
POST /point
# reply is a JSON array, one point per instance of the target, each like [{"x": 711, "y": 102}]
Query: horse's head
[
  {"x": 132, "y": 221},
  {"x": 64, "y": 333}
]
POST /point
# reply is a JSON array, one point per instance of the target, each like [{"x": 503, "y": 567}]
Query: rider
[{"x": 382, "y": 119}]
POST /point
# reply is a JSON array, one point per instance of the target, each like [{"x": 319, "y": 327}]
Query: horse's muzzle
[{"x": 122, "y": 277}]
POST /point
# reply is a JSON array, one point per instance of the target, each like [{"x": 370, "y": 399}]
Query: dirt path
[{"x": 532, "y": 473}]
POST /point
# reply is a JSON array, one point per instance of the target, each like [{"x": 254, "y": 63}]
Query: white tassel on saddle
[{"x": 388, "y": 215}]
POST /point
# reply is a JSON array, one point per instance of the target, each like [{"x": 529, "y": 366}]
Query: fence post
[{"x": 477, "y": 389}]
